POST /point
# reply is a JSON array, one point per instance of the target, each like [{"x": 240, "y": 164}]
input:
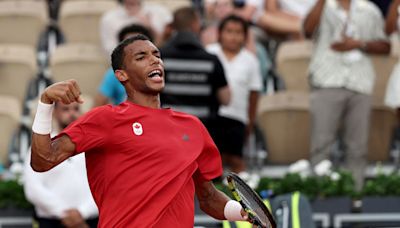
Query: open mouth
[{"x": 155, "y": 73}]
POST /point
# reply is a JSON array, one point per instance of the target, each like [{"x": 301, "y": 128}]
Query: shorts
[{"x": 230, "y": 136}]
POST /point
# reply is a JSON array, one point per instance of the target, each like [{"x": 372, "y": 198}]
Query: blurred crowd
[{"x": 220, "y": 59}]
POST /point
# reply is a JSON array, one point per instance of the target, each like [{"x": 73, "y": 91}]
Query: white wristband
[
  {"x": 232, "y": 211},
  {"x": 44, "y": 116}
]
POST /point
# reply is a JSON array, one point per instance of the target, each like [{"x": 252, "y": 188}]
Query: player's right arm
[{"x": 47, "y": 153}]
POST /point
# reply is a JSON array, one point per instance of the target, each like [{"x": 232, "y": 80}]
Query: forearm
[
  {"x": 211, "y": 200},
  {"x": 252, "y": 111},
  {"x": 313, "y": 18},
  {"x": 377, "y": 47},
  {"x": 45, "y": 152},
  {"x": 391, "y": 19},
  {"x": 224, "y": 95},
  {"x": 280, "y": 25}
]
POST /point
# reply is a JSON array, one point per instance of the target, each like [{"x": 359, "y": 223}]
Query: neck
[
  {"x": 229, "y": 54},
  {"x": 150, "y": 101}
]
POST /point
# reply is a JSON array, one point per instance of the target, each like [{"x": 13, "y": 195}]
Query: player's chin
[{"x": 157, "y": 88}]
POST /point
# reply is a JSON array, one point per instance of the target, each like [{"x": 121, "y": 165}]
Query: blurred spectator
[
  {"x": 294, "y": 11},
  {"x": 392, "y": 97},
  {"x": 111, "y": 90},
  {"x": 61, "y": 196},
  {"x": 236, "y": 120},
  {"x": 254, "y": 11},
  {"x": 216, "y": 11},
  {"x": 342, "y": 76},
  {"x": 152, "y": 16},
  {"x": 194, "y": 79}
]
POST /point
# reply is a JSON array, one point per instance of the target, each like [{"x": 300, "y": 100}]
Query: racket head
[{"x": 251, "y": 202}]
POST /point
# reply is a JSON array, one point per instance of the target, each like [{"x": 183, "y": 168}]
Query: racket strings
[{"x": 253, "y": 203}]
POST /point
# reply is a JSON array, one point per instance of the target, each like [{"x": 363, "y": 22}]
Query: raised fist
[{"x": 66, "y": 91}]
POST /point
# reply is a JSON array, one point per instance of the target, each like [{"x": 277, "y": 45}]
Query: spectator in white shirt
[
  {"x": 237, "y": 119},
  {"x": 392, "y": 98},
  {"x": 151, "y": 15},
  {"x": 61, "y": 196},
  {"x": 342, "y": 77}
]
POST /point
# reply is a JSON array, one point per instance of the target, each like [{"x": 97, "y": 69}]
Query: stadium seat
[
  {"x": 292, "y": 62},
  {"x": 171, "y": 5},
  {"x": 80, "y": 20},
  {"x": 382, "y": 124},
  {"x": 83, "y": 62},
  {"x": 383, "y": 119},
  {"x": 10, "y": 112},
  {"x": 284, "y": 120},
  {"x": 17, "y": 68},
  {"x": 22, "y": 21}
]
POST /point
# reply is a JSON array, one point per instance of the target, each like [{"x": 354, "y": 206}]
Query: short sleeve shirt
[
  {"x": 141, "y": 163},
  {"x": 243, "y": 75}
]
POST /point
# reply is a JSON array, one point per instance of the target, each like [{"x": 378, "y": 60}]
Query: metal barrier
[
  {"x": 341, "y": 219},
  {"x": 8, "y": 221}
]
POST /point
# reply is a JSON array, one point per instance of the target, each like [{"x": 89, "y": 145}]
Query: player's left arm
[{"x": 212, "y": 201}]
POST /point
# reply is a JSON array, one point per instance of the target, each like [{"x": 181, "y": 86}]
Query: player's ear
[{"x": 121, "y": 75}]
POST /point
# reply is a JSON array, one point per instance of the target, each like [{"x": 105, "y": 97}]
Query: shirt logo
[
  {"x": 137, "y": 128},
  {"x": 185, "y": 137}
]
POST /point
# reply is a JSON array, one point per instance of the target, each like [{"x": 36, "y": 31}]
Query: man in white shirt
[
  {"x": 61, "y": 196},
  {"x": 342, "y": 76},
  {"x": 151, "y": 15}
]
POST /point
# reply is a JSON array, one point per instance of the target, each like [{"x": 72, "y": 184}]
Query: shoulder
[
  {"x": 246, "y": 54},
  {"x": 370, "y": 8},
  {"x": 98, "y": 113},
  {"x": 213, "y": 48},
  {"x": 109, "y": 73},
  {"x": 186, "y": 116}
]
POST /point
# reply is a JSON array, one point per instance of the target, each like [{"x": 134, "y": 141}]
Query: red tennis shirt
[{"x": 141, "y": 163}]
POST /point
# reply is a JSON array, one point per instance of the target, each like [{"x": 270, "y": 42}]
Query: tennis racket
[{"x": 251, "y": 202}]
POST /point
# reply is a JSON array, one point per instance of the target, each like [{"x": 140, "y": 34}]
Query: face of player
[
  {"x": 144, "y": 68},
  {"x": 66, "y": 114},
  {"x": 232, "y": 37}
]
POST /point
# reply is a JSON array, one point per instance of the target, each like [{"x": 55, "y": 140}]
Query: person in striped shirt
[{"x": 345, "y": 32}]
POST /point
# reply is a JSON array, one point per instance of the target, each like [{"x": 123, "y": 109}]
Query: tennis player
[{"x": 144, "y": 163}]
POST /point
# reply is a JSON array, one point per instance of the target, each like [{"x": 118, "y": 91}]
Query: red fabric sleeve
[
  {"x": 209, "y": 161},
  {"x": 90, "y": 130}
]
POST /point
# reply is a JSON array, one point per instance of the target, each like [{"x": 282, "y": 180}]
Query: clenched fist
[{"x": 66, "y": 91}]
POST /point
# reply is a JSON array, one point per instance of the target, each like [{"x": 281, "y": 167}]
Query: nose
[{"x": 156, "y": 60}]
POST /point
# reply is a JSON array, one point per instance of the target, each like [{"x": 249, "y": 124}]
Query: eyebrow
[{"x": 144, "y": 53}]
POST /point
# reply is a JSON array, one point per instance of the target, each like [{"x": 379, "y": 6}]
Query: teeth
[{"x": 155, "y": 72}]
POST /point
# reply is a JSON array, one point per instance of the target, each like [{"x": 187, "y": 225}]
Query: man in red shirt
[{"x": 144, "y": 163}]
